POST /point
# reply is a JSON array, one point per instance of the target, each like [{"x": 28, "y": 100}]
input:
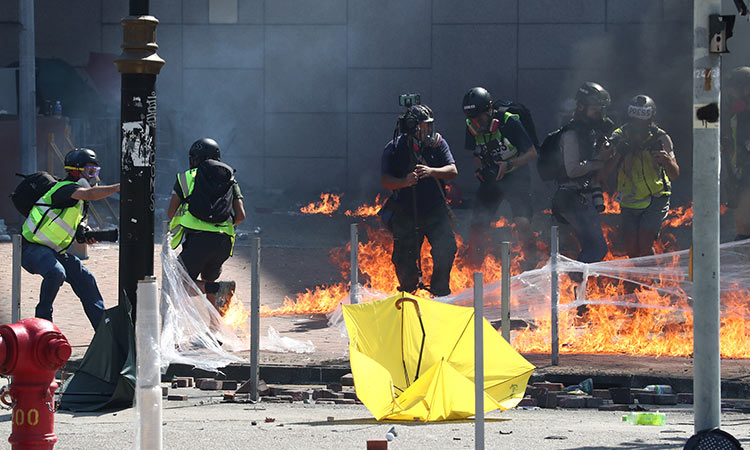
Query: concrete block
[
  {"x": 177, "y": 397},
  {"x": 574, "y": 46},
  {"x": 561, "y": 11},
  {"x": 304, "y": 12},
  {"x": 594, "y": 402},
  {"x": 492, "y": 11},
  {"x": 388, "y": 84},
  {"x": 389, "y": 34},
  {"x": 212, "y": 385},
  {"x": 347, "y": 380},
  {"x": 551, "y": 387},
  {"x": 548, "y": 401},
  {"x": 527, "y": 401},
  {"x": 223, "y": 47},
  {"x": 312, "y": 81},
  {"x": 571, "y": 402},
  {"x": 665, "y": 399},
  {"x": 685, "y": 398},
  {"x": 306, "y": 135}
]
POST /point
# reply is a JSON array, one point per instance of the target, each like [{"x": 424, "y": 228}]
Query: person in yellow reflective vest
[
  {"x": 52, "y": 225},
  {"x": 736, "y": 150},
  {"x": 645, "y": 162},
  {"x": 206, "y": 242}
]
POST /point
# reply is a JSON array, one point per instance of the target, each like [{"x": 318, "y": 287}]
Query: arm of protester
[
  {"x": 239, "y": 211},
  {"x": 394, "y": 183},
  {"x": 447, "y": 172},
  {"x": 665, "y": 157},
  {"x": 174, "y": 203},
  {"x": 95, "y": 192}
]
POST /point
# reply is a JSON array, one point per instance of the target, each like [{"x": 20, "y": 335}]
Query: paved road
[{"x": 203, "y": 422}]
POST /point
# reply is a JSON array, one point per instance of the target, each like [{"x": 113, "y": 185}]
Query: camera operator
[
  {"x": 585, "y": 149},
  {"x": 645, "y": 163},
  {"x": 502, "y": 149},
  {"x": 413, "y": 165},
  {"x": 51, "y": 227}
]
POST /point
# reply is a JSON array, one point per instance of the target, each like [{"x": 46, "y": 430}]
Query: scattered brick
[
  {"x": 177, "y": 397},
  {"x": 646, "y": 399},
  {"x": 666, "y": 399},
  {"x": 325, "y": 393},
  {"x": 551, "y": 387},
  {"x": 229, "y": 385},
  {"x": 621, "y": 395},
  {"x": 594, "y": 402},
  {"x": 549, "y": 400},
  {"x": 297, "y": 395},
  {"x": 229, "y": 396},
  {"x": 198, "y": 381},
  {"x": 263, "y": 388},
  {"x": 344, "y": 401},
  {"x": 602, "y": 393},
  {"x": 536, "y": 392},
  {"x": 181, "y": 382},
  {"x": 377, "y": 444},
  {"x": 571, "y": 402},
  {"x": 527, "y": 401},
  {"x": 335, "y": 387},
  {"x": 350, "y": 394},
  {"x": 325, "y": 402},
  {"x": 685, "y": 398},
  {"x": 212, "y": 385},
  {"x": 280, "y": 399},
  {"x": 164, "y": 391},
  {"x": 347, "y": 380}
]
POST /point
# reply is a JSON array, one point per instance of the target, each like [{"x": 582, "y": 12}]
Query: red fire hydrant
[{"x": 31, "y": 351}]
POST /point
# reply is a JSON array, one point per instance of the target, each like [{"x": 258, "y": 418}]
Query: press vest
[
  {"x": 640, "y": 177},
  {"x": 183, "y": 219},
  {"x": 507, "y": 150},
  {"x": 53, "y": 227}
]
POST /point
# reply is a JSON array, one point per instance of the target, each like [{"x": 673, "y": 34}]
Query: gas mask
[
  {"x": 426, "y": 134},
  {"x": 89, "y": 176}
]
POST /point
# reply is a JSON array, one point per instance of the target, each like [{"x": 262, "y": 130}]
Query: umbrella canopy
[{"x": 413, "y": 358}]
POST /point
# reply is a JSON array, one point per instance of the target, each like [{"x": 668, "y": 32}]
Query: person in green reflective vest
[
  {"x": 206, "y": 245},
  {"x": 736, "y": 150},
  {"x": 54, "y": 221},
  {"x": 645, "y": 161}
]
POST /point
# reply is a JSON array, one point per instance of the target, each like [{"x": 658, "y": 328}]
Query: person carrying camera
[
  {"x": 205, "y": 207},
  {"x": 584, "y": 147},
  {"x": 502, "y": 150},
  {"x": 413, "y": 165},
  {"x": 54, "y": 221},
  {"x": 736, "y": 150},
  {"x": 645, "y": 161}
]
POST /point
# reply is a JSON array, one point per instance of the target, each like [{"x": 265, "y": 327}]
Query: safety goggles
[{"x": 91, "y": 171}]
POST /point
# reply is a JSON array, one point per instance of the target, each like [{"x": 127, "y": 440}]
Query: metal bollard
[
  {"x": 254, "y": 318},
  {"x": 505, "y": 291},
  {"x": 354, "y": 295},
  {"x": 478, "y": 361},
  {"x": 15, "y": 304},
  {"x": 554, "y": 296}
]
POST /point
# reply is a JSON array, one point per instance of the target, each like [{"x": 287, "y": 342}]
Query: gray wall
[{"x": 302, "y": 95}]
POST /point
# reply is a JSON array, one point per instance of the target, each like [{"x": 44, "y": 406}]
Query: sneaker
[{"x": 224, "y": 295}]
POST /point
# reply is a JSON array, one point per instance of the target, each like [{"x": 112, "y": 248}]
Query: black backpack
[
  {"x": 524, "y": 115},
  {"x": 549, "y": 163},
  {"x": 30, "y": 190},
  {"x": 213, "y": 192}
]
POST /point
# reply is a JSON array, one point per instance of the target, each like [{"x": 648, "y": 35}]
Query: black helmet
[
  {"x": 79, "y": 157},
  {"x": 739, "y": 76},
  {"x": 592, "y": 94},
  {"x": 204, "y": 149},
  {"x": 477, "y": 101},
  {"x": 642, "y": 107}
]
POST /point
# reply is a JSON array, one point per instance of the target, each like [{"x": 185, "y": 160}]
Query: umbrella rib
[
  {"x": 403, "y": 359},
  {"x": 448, "y": 358}
]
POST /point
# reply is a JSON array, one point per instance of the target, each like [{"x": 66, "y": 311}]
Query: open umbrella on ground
[{"x": 413, "y": 358}]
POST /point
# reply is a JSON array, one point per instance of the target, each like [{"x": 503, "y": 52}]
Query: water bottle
[
  {"x": 645, "y": 418},
  {"x": 57, "y": 109},
  {"x": 660, "y": 388}
]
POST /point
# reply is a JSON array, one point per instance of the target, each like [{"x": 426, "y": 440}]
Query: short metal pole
[
  {"x": 354, "y": 296},
  {"x": 478, "y": 361},
  {"x": 254, "y": 317},
  {"x": 505, "y": 291},
  {"x": 148, "y": 376},
  {"x": 554, "y": 296},
  {"x": 15, "y": 305}
]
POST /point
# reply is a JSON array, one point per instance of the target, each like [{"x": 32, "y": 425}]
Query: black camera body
[
  {"x": 109, "y": 235},
  {"x": 407, "y": 100}
]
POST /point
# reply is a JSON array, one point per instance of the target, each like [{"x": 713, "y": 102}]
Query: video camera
[
  {"x": 109, "y": 235},
  {"x": 407, "y": 100}
]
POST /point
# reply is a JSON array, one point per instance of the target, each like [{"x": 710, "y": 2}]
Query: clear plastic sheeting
[
  {"x": 635, "y": 306},
  {"x": 275, "y": 342}
]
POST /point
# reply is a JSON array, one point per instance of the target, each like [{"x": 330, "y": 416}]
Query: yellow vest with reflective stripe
[
  {"x": 640, "y": 178},
  {"x": 183, "y": 219},
  {"x": 494, "y": 134},
  {"x": 54, "y": 228}
]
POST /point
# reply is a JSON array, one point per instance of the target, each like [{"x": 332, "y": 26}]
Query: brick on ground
[
  {"x": 182, "y": 382},
  {"x": 212, "y": 385},
  {"x": 347, "y": 380},
  {"x": 594, "y": 402},
  {"x": 198, "y": 381},
  {"x": 229, "y": 385},
  {"x": 571, "y": 402},
  {"x": 536, "y": 392},
  {"x": 326, "y": 393},
  {"x": 177, "y": 397},
  {"x": 666, "y": 399},
  {"x": 548, "y": 400},
  {"x": 263, "y": 388},
  {"x": 344, "y": 401},
  {"x": 602, "y": 393},
  {"x": 297, "y": 394},
  {"x": 348, "y": 393},
  {"x": 164, "y": 391},
  {"x": 335, "y": 387},
  {"x": 527, "y": 401},
  {"x": 551, "y": 387},
  {"x": 685, "y": 398}
]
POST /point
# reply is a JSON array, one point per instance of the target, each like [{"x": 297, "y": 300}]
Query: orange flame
[
  {"x": 610, "y": 205},
  {"x": 367, "y": 210},
  {"x": 661, "y": 325},
  {"x": 329, "y": 204}
]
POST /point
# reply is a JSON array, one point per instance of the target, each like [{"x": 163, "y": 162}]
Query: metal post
[
  {"x": 478, "y": 361},
  {"x": 254, "y": 317},
  {"x": 505, "y": 291},
  {"x": 139, "y": 65},
  {"x": 148, "y": 377},
  {"x": 27, "y": 87},
  {"x": 15, "y": 308},
  {"x": 706, "y": 320},
  {"x": 554, "y": 295},
  {"x": 354, "y": 295}
]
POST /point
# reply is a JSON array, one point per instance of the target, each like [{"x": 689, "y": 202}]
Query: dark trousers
[
  {"x": 576, "y": 208},
  {"x": 407, "y": 246}
]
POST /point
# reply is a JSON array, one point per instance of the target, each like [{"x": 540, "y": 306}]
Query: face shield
[{"x": 426, "y": 133}]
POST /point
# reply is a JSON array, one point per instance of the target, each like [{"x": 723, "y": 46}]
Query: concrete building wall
[{"x": 302, "y": 95}]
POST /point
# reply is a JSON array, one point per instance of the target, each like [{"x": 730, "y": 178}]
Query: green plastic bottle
[{"x": 645, "y": 418}]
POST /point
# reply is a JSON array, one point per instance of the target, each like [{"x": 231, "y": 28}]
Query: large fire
[{"x": 660, "y": 325}]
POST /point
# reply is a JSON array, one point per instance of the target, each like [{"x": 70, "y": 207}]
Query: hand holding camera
[{"x": 89, "y": 236}]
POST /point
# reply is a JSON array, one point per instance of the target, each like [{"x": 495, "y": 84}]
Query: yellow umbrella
[{"x": 413, "y": 358}]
